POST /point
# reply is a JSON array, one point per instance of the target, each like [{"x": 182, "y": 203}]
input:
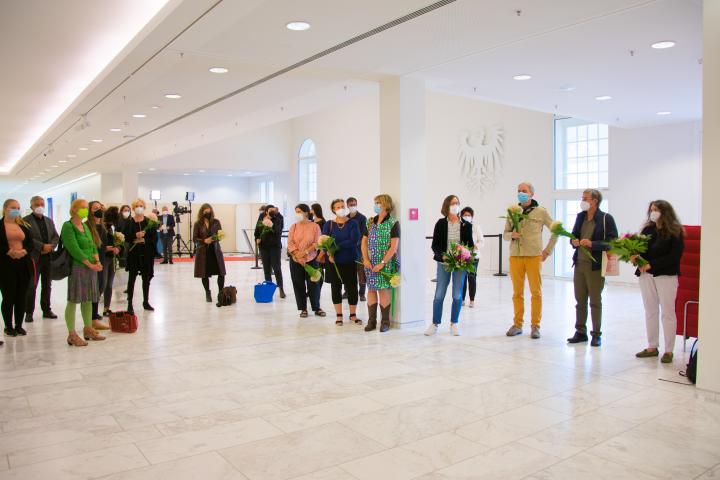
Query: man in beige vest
[{"x": 526, "y": 257}]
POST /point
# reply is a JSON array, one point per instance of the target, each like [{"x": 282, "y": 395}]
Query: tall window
[
  {"x": 307, "y": 172},
  {"x": 267, "y": 191},
  {"x": 581, "y": 154}
]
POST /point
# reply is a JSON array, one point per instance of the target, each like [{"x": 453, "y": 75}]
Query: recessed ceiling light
[
  {"x": 71, "y": 155},
  {"x": 568, "y": 88},
  {"x": 139, "y": 115},
  {"x": 664, "y": 112},
  {"x": 230, "y": 175},
  {"x": 53, "y": 166},
  {"x": 297, "y": 26},
  {"x": 248, "y": 173},
  {"x": 186, "y": 174},
  {"x": 662, "y": 45},
  {"x": 97, "y": 140},
  {"x": 62, "y": 161},
  {"x": 116, "y": 130},
  {"x": 152, "y": 169},
  {"x": 155, "y": 107},
  {"x": 83, "y": 149},
  {"x": 602, "y": 98},
  {"x": 219, "y": 70},
  {"x": 201, "y": 171},
  {"x": 173, "y": 96},
  {"x": 522, "y": 76},
  {"x": 139, "y": 173}
]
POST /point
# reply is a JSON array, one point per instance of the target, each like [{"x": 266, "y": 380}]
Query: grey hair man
[{"x": 46, "y": 238}]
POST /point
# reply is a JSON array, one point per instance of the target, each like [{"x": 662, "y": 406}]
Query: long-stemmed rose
[{"x": 557, "y": 229}]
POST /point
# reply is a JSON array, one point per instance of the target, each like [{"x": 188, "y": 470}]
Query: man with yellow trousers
[{"x": 526, "y": 257}]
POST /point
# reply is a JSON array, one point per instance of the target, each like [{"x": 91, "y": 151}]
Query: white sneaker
[
  {"x": 472, "y": 304},
  {"x": 431, "y": 330},
  {"x": 454, "y": 329}
]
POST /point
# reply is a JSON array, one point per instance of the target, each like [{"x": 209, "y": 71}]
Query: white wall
[
  {"x": 89, "y": 189},
  {"x": 210, "y": 189}
]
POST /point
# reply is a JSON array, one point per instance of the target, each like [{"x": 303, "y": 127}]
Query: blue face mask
[
  {"x": 523, "y": 197},
  {"x": 377, "y": 209},
  {"x": 14, "y": 213}
]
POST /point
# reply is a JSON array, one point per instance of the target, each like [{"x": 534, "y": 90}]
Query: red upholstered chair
[{"x": 686, "y": 304}]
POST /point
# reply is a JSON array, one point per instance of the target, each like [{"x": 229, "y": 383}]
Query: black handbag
[{"x": 60, "y": 263}]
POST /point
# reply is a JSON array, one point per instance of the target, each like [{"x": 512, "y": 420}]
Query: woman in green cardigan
[{"x": 81, "y": 242}]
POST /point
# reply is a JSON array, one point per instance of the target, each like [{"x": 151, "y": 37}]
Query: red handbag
[{"x": 123, "y": 322}]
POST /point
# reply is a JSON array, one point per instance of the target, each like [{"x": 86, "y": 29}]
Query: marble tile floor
[{"x": 254, "y": 392}]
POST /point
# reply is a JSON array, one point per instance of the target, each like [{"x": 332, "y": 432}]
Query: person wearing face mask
[
  {"x": 450, "y": 229},
  {"x": 209, "y": 260},
  {"x": 268, "y": 235},
  {"x": 81, "y": 242},
  {"x": 346, "y": 235},
  {"x": 381, "y": 239},
  {"x": 16, "y": 265},
  {"x": 112, "y": 252},
  {"x": 361, "y": 220},
  {"x": 45, "y": 239},
  {"x": 593, "y": 230},
  {"x": 167, "y": 234},
  {"x": 526, "y": 257},
  {"x": 303, "y": 239},
  {"x": 140, "y": 243},
  {"x": 659, "y": 278},
  {"x": 105, "y": 248},
  {"x": 467, "y": 214}
]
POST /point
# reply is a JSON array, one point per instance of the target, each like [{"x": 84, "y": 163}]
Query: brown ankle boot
[
  {"x": 91, "y": 334},
  {"x": 74, "y": 340},
  {"x": 372, "y": 318},
  {"x": 385, "y": 322}
]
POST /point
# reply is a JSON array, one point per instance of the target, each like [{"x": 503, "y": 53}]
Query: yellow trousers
[{"x": 520, "y": 267}]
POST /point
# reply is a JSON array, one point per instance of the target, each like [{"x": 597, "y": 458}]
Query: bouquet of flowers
[
  {"x": 314, "y": 273},
  {"x": 459, "y": 257},
  {"x": 218, "y": 236},
  {"x": 557, "y": 229},
  {"x": 264, "y": 229},
  {"x": 118, "y": 242},
  {"x": 152, "y": 222},
  {"x": 515, "y": 215},
  {"x": 328, "y": 244},
  {"x": 629, "y": 245}
]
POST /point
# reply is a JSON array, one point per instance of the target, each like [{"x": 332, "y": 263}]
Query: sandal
[
  {"x": 92, "y": 334},
  {"x": 339, "y": 319},
  {"x": 355, "y": 319},
  {"x": 303, "y": 314},
  {"x": 320, "y": 313}
]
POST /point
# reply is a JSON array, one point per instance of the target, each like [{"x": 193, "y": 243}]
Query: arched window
[{"x": 307, "y": 172}]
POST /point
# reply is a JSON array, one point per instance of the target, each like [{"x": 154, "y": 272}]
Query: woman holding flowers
[
  {"x": 209, "y": 260},
  {"x": 592, "y": 231},
  {"x": 452, "y": 236},
  {"x": 140, "y": 237},
  {"x": 379, "y": 248},
  {"x": 306, "y": 277},
  {"x": 339, "y": 244},
  {"x": 116, "y": 240},
  {"x": 81, "y": 242},
  {"x": 105, "y": 249},
  {"x": 659, "y": 276}
]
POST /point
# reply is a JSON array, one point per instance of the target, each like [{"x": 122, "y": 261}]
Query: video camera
[{"x": 179, "y": 209}]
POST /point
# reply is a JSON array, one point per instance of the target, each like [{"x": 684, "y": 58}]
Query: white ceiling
[{"x": 469, "y": 47}]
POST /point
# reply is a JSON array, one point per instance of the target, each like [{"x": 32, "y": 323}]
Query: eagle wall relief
[{"x": 480, "y": 156}]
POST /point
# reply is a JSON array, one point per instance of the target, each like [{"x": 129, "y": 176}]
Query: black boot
[
  {"x": 146, "y": 295},
  {"x": 372, "y": 318},
  {"x": 595, "y": 342},
  {"x": 578, "y": 338},
  {"x": 282, "y": 292},
  {"x": 208, "y": 296},
  {"x": 385, "y": 322},
  {"x": 130, "y": 308}
]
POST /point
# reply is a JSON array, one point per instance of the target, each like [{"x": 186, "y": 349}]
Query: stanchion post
[
  {"x": 500, "y": 257},
  {"x": 257, "y": 258}
]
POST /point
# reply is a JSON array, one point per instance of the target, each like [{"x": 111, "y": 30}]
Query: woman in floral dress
[{"x": 379, "y": 250}]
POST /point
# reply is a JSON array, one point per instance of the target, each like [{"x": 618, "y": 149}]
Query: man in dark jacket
[
  {"x": 45, "y": 239},
  {"x": 167, "y": 234},
  {"x": 268, "y": 236}
]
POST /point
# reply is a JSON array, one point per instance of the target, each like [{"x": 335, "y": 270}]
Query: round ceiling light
[
  {"x": 663, "y": 112},
  {"x": 522, "y": 76},
  {"x": 219, "y": 70},
  {"x": 97, "y": 140},
  {"x": 298, "y": 26},
  {"x": 116, "y": 130},
  {"x": 139, "y": 115},
  {"x": 663, "y": 45},
  {"x": 173, "y": 96},
  {"x": 602, "y": 98},
  {"x": 62, "y": 161},
  {"x": 83, "y": 149}
]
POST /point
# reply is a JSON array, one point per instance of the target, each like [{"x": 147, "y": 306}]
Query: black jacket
[
  {"x": 663, "y": 253},
  {"x": 5, "y": 260},
  {"x": 53, "y": 236},
  {"x": 170, "y": 232},
  {"x": 440, "y": 237},
  {"x": 270, "y": 239},
  {"x": 605, "y": 230},
  {"x": 141, "y": 257}
]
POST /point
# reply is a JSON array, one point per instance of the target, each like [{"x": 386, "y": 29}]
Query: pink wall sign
[{"x": 413, "y": 214}]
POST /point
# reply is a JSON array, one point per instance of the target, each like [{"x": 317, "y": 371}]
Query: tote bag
[{"x": 610, "y": 263}]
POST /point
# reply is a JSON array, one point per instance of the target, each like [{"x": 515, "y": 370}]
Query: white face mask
[
  {"x": 353, "y": 209},
  {"x": 126, "y": 214},
  {"x": 584, "y": 206},
  {"x": 654, "y": 216},
  {"x": 300, "y": 216},
  {"x": 454, "y": 209},
  {"x": 468, "y": 218},
  {"x": 39, "y": 211},
  {"x": 139, "y": 210},
  {"x": 341, "y": 212}
]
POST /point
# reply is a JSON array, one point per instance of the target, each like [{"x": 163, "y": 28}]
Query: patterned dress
[{"x": 379, "y": 237}]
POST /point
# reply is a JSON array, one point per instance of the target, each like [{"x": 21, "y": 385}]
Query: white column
[
  {"x": 130, "y": 187},
  {"x": 709, "y": 323},
  {"x": 111, "y": 188},
  {"x": 402, "y": 176}
]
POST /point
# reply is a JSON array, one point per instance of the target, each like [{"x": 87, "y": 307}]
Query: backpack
[
  {"x": 227, "y": 296},
  {"x": 691, "y": 368}
]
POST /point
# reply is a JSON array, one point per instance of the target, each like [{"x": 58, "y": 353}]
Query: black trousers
[
  {"x": 14, "y": 287},
  {"x": 348, "y": 274},
  {"x": 303, "y": 287},
  {"x": 471, "y": 282},
  {"x": 272, "y": 263},
  {"x": 167, "y": 243},
  {"x": 220, "y": 283},
  {"x": 145, "y": 285},
  {"x": 45, "y": 285}
]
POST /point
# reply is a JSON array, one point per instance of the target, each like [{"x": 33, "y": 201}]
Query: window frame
[{"x": 307, "y": 163}]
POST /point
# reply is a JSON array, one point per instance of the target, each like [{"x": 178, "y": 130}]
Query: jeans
[
  {"x": 443, "y": 281},
  {"x": 167, "y": 242}
]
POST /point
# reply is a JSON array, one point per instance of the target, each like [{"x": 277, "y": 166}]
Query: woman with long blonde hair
[
  {"x": 81, "y": 242},
  {"x": 16, "y": 266}
]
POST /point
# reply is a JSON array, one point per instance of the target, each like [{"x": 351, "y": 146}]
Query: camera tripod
[{"x": 184, "y": 247}]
